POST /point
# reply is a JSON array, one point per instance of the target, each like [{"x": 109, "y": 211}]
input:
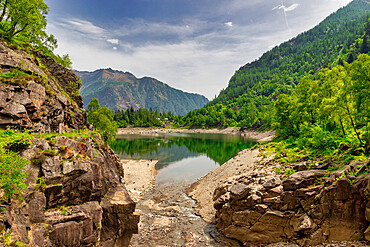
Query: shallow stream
[{"x": 168, "y": 217}]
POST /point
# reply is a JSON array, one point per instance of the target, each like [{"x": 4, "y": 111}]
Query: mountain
[
  {"x": 249, "y": 98},
  {"x": 121, "y": 90}
]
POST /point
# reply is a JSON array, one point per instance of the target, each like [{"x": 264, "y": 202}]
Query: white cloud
[
  {"x": 113, "y": 41},
  {"x": 83, "y": 26},
  {"x": 290, "y": 8},
  {"x": 229, "y": 24},
  {"x": 287, "y": 9},
  {"x": 193, "y": 54}
]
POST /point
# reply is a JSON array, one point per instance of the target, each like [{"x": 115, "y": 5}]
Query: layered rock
[
  {"x": 78, "y": 200},
  {"x": 75, "y": 189},
  {"x": 307, "y": 208},
  {"x": 38, "y": 93}
]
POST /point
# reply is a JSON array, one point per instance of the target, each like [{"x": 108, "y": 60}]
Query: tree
[
  {"x": 102, "y": 119},
  {"x": 26, "y": 19}
]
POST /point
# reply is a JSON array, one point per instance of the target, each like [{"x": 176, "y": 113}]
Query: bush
[{"x": 12, "y": 173}]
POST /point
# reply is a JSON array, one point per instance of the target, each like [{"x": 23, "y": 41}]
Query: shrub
[{"x": 12, "y": 173}]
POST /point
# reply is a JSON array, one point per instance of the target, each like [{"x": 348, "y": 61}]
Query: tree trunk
[
  {"x": 21, "y": 30},
  {"x": 341, "y": 125},
  {"x": 4, "y": 11},
  {"x": 353, "y": 125}
]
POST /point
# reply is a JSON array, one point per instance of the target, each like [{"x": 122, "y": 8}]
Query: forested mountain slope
[
  {"x": 119, "y": 91},
  {"x": 248, "y": 99}
]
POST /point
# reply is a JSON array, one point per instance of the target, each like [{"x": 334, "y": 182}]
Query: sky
[{"x": 192, "y": 45}]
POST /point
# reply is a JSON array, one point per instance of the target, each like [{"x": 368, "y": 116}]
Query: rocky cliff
[
  {"x": 76, "y": 196},
  {"x": 38, "y": 93},
  {"x": 75, "y": 190},
  {"x": 308, "y": 208}
]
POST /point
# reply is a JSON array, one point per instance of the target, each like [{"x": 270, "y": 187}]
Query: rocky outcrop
[
  {"x": 38, "y": 93},
  {"x": 75, "y": 189},
  {"x": 79, "y": 200},
  {"x": 307, "y": 208}
]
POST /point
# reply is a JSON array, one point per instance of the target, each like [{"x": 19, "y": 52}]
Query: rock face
[
  {"x": 79, "y": 201},
  {"x": 38, "y": 93},
  {"x": 75, "y": 189},
  {"x": 307, "y": 208}
]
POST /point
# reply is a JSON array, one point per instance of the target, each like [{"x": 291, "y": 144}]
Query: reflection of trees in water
[{"x": 171, "y": 148}]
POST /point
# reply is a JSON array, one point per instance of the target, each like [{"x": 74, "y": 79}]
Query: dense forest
[
  {"x": 328, "y": 113},
  {"x": 249, "y": 98},
  {"x": 143, "y": 118}
]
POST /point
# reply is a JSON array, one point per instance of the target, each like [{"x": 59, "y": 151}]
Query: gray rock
[
  {"x": 239, "y": 190},
  {"x": 272, "y": 183},
  {"x": 302, "y": 179},
  {"x": 51, "y": 170},
  {"x": 76, "y": 167}
]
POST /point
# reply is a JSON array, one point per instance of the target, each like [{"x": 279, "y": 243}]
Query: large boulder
[{"x": 307, "y": 208}]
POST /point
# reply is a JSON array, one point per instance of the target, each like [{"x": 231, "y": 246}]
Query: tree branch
[
  {"x": 4, "y": 11},
  {"x": 21, "y": 30}
]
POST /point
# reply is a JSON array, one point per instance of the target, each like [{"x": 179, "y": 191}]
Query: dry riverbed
[{"x": 167, "y": 214}]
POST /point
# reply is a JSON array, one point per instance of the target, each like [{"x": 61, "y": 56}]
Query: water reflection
[{"x": 182, "y": 157}]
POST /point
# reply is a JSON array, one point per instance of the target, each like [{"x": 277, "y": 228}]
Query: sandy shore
[
  {"x": 259, "y": 136},
  {"x": 202, "y": 190},
  {"x": 139, "y": 176}
]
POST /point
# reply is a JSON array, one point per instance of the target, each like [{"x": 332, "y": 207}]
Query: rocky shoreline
[{"x": 250, "y": 202}]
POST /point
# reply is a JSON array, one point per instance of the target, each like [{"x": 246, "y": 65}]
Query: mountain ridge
[
  {"x": 120, "y": 90},
  {"x": 249, "y": 97}
]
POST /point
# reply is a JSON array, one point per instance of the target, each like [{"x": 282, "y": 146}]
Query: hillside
[
  {"x": 248, "y": 99},
  {"x": 119, "y": 91}
]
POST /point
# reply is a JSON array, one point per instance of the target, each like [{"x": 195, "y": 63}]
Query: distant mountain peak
[{"x": 121, "y": 90}]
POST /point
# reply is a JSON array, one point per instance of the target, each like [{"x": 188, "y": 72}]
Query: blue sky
[{"x": 195, "y": 46}]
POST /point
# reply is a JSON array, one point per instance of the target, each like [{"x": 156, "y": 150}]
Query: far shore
[{"x": 257, "y": 135}]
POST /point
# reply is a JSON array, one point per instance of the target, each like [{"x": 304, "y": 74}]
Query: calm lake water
[{"x": 183, "y": 158}]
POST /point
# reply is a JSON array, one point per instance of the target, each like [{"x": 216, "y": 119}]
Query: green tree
[
  {"x": 26, "y": 19},
  {"x": 102, "y": 119}
]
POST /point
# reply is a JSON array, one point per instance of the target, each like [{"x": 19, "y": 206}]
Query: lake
[{"x": 182, "y": 157}]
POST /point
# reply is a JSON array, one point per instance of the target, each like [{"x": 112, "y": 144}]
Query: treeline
[
  {"x": 328, "y": 109},
  {"x": 249, "y": 98},
  {"x": 143, "y": 118}
]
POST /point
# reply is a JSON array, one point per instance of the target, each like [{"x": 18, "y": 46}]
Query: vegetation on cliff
[{"x": 23, "y": 24}]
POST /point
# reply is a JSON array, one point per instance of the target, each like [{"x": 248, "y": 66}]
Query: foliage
[
  {"x": 102, "y": 119},
  {"x": 12, "y": 173},
  {"x": 249, "y": 98},
  {"x": 328, "y": 109},
  {"x": 23, "y": 23},
  {"x": 143, "y": 118},
  {"x": 26, "y": 19}
]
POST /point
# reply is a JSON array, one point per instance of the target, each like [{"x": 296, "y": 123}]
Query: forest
[
  {"x": 249, "y": 98},
  {"x": 143, "y": 118}
]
